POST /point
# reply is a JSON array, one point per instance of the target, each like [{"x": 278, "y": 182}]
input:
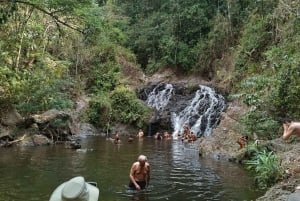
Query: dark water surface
[{"x": 32, "y": 173}]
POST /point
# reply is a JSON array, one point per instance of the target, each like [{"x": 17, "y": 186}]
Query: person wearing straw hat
[
  {"x": 139, "y": 174},
  {"x": 76, "y": 189}
]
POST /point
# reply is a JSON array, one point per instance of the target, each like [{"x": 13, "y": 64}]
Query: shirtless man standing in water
[{"x": 139, "y": 174}]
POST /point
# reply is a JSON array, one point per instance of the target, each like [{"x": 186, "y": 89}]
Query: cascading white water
[
  {"x": 159, "y": 98},
  {"x": 201, "y": 114}
]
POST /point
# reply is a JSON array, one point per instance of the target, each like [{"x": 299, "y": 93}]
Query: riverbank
[{"x": 222, "y": 145}]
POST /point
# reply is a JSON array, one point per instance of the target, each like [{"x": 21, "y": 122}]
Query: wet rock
[
  {"x": 39, "y": 140},
  {"x": 294, "y": 196},
  {"x": 10, "y": 117},
  {"x": 73, "y": 144},
  {"x": 87, "y": 129},
  {"x": 50, "y": 116}
]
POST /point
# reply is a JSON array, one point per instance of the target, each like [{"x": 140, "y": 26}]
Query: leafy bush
[
  {"x": 99, "y": 112},
  {"x": 127, "y": 108},
  {"x": 45, "y": 87},
  {"x": 253, "y": 42},
  {"x": 285, "y": 94},
  {"x": 259, "y": 122},
  {"x": 256, "y": 94},
  {"x": 9, "y": 83},
  {"x": 105, "y": 77},
  {"x": 266, "y": 167}
]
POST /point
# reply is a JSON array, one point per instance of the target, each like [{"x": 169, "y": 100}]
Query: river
[{"x": 178, "y": 173}]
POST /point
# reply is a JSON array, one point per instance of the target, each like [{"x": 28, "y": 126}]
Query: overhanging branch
[{"x": 51, "y": 14}]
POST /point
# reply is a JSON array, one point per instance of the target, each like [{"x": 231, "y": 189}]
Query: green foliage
[
  {"x": 9, "y": 83},
  {"x": 253, "y": 42},
  {"x": 59, "y": 123},
  {"x": 100, "y": 110},
  {"x": 127, "y": 108},
  {"x": 6, "y": 11},
  {"x": 165, "y": 32},
  {"x": 260, "y": 119},
  {"x": 269, "y": 63},
  {"x": 286, "y": 98},
  {"x": 259, "y": 122},
  {"x": 105, "y": 77},
  {"x": 285, "y": 62},
  {"x": 168, "y": 33},
  {"x": 255, "y": 89},
  {"x": 266, "y": 167},
  {"x": 212, "y": 50},
  {"x": 100, "y": 26},
  {"x": 43, "y": 44},
  {"x": 37, "y": 89},
  {"x": 37, "y": 98}
]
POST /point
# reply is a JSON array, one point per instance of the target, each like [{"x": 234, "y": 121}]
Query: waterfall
[
  {"x": 201, "y": 112},
  {"x": 160, "y": 96}
]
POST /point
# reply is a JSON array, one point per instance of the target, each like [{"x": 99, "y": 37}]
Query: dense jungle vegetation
[{"x": 53, "y": 51}]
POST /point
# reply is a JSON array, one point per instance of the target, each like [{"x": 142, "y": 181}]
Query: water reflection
[{"x": 177, "y": 172}]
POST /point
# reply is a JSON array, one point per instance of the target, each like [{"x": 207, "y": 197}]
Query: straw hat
[{"x": 76, "y": 189}]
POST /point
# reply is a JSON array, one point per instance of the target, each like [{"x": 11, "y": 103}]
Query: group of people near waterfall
[
  {"x": 187, "y": 135},
  {"x": 116, "y": 138},
  {"x": 140, "y": 170},
  {"x": 166, "y": 135},
  {"x": 139, "y": 176}
]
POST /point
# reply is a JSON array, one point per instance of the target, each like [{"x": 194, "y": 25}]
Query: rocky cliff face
[
  {"x": 222, "y": 142},
  {"x": 176, "y": 105},
  {"x": 179, "y": 100}
]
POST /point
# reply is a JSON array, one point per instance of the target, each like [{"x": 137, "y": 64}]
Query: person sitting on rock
[
  {"x": 242, "y": 141},
  {"x": 290, "y": 128}
]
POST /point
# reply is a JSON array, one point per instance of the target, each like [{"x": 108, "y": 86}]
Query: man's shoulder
[{"x": 295, "y": 124}]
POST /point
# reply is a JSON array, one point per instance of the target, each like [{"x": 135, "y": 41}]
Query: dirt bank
[{"x": 221, "y": 145}]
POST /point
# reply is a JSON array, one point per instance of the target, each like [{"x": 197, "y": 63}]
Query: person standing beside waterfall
[
  {"x": 139, "y": 174},
  {"x": 186, "y": 131}
]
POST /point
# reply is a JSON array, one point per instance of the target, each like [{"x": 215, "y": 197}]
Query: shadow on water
[{"x": 177, "y": 172}]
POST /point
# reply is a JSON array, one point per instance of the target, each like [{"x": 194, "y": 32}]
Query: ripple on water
[{"x": 177, "y": 173}]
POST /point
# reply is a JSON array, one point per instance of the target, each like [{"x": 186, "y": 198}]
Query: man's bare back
[{"x": 290, "y": 128}]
